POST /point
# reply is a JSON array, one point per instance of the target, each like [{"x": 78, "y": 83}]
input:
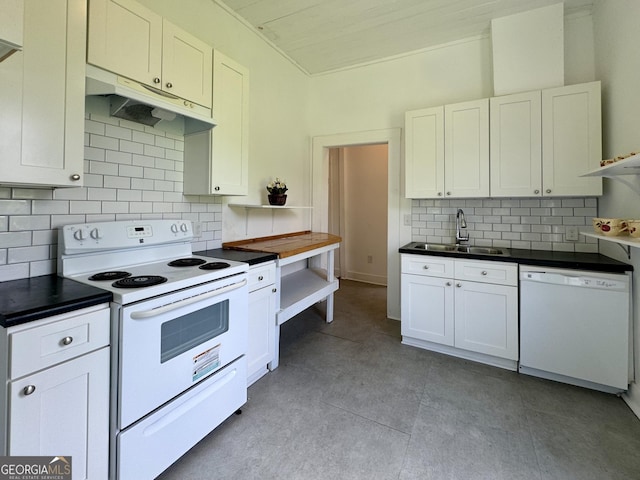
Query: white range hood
[{"x": 142, "y": 104}]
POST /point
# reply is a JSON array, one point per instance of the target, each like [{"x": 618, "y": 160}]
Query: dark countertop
[
  {"x": 29, "y": 299},
  {"x": 543, "y": 258},
  {"x": 252, "y": 258}
]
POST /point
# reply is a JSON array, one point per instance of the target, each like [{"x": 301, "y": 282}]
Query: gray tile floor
[{"x": 349, "y": 401}]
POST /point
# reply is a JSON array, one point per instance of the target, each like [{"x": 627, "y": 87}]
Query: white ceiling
[{"x": 325, "y": 35}]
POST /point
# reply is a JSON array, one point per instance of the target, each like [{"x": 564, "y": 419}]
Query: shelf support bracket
[
  {"x": 633, "y": 186},
  {"x": 627, "y": 250}
]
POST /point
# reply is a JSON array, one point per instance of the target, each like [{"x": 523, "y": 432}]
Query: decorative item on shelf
[
  {"x": 610, "y": 227},
  {"x": 609, "y": 161},
  {"x": 633, "y": 227},
  {"x": 277, "y": 192}
]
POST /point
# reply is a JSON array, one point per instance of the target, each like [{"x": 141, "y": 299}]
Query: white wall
[
  {"x": 364, "y": 205},
  {"x": 618, "y": 67}
]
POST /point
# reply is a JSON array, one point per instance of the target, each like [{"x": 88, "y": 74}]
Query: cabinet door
[
  {"x": 66, "y": 415},
  {"x": 262, "y": 326},
  {"x": 486, "y": 319},
  {"x": 516, "y": 145},
  {"x": 42, "y": 98},
  {"x": 571, "y": 139},
  {"x": 217, "y": 161},
  {"x": 427, "y": 308},
  {"x": 126, "y": 38},
  {"x": 466, "y": 152},
  {"x": 186, "y": 65},
  {"x": 424, "y": 153}
]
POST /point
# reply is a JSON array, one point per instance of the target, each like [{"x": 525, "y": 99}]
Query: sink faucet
[{"x": 460, "y": 224}]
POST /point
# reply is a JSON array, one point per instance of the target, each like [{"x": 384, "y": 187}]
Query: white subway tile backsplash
[
  {"x": 84, "y": 207},
  {"x": 143, "y": 137},
  {"x": 528, "y": 223},
  {"x": 28, "y": 254},
  {"x": 131, "y": 147},
  {"x": 153, "y": 151},
  {"x": 15, "y": 207},
  {"x": 116, "y": 182},
  {"x": 99, "y": 141},
  {"x": 32, "y": 193},
  {"x": 103, "y": 168},
  {"x": 115, "y": 207},
  {"x": 4, "y": 223},
  {"x": 49, "y": 207},
  {"x": 29, "y": 222},
  {"x": 118, "y": 157},
  {"x": 118, "y": 132},
  {"x": 14, "y": 239}
]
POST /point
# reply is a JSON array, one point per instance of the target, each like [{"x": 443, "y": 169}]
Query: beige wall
[
  {"x": 364, "y": 213},
  {"x": 618, "y": 67}
]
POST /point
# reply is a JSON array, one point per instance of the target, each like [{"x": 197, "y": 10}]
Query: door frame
[{"x": 399, "y": 208}]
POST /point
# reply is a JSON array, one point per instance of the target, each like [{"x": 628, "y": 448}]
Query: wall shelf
[
  {"x": 624, "y": 242},
  {"x": 250, "y": 206},
  {"x": 275, "y": 207},
  {"x": 620, "y": 171}
]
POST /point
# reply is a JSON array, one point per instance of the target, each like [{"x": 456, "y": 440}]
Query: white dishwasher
[{"x": 574, "y": 327}]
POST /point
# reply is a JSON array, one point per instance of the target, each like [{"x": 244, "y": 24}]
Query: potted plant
[{"x": 277, "y": 192}]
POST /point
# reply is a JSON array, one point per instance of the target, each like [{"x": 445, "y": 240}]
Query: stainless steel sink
[
  {"x": 437, "y": 247},
  {"x": 479, "y": 250},
  {"x": 443, "y": 247}
]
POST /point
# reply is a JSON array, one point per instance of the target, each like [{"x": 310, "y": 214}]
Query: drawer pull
[
  {"x": 67, "y": 340},
  {"x": 274, "y": 290},
  {"x": 260, "y": 278},
  {"x": 458, "y": 285},
  {"x": 29, "y": 389},
  {"x": 426, "y": 267},
  {"x": 484, "y": 272},
  {"x": 448, "y": 284}
]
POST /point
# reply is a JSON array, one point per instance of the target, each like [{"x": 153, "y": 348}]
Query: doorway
[
  {"x": 398, "y": 208},
  {"x": 358, "y": 186}
]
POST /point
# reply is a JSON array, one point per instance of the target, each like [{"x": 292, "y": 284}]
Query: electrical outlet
[
  {"x": 197, "y": 229},
  {"x": 571, "y": 234},
  {"x": 369, "y": 258},
  {"x": 407, "y": 219}
]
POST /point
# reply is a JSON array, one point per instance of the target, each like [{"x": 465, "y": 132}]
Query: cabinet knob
[
  {"x": 75, "y": 177},
  {"x": 29, "y": 389},
  {"x": 67, "y": 340},
  {"x": 484, "y": 272},
  {"x": 260, "y": 278},
  {"x": 439, "y": 194},
  {"x": 458, "y": 285},
  {"x": 156, "y": 80},
  {"x": 448, "y": 193},
  {"x": 169, "y": 85},
  {"x": 548, "y": 190},
  {"x": 536, "y": 191},
  {"x": 448, "y": 284},
  {"x": 274, "y": 290},
  {"x": 426, "y": 267},
  {"x": 216, "y": 188}
]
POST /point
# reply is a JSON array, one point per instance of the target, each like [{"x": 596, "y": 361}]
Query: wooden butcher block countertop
[{"x": 285, "y": 245}]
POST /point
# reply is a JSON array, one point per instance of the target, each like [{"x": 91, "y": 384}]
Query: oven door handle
[{"x": 187, "y": 301}]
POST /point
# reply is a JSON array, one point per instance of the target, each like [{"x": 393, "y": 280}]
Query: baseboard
[
  {"x": 632, "y": 398},
  {"x": 367, "y": 278}
]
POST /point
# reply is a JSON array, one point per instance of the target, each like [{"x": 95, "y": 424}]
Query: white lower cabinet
[
  {"x": 59, "y": 404},
  {"x": 467, "y": 308},
  {"x": 262, "y": 320}
]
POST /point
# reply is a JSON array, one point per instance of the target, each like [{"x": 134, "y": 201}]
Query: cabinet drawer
[
  {"x": 427, "y": 265},
  {"x": 261, "y": 276},
  {"x": 487, "y": 272},
  {"x": 44, "y": 343}
]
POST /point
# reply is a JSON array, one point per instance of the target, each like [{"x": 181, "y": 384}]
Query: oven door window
[{"x": 181, "y": 334}]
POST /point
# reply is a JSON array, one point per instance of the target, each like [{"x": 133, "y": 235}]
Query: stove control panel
[{"x": 91, "y": 237}]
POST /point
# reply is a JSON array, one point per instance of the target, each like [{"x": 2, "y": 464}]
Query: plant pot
[{"x": 277, "y": 199}]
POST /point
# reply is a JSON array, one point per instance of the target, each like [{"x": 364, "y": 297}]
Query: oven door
[{"x": 172, "y": 342}]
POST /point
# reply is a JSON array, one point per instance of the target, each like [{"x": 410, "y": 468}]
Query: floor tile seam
[{"x": 370, "y": 420}]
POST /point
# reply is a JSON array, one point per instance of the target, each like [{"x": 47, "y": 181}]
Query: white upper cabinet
[
  {"x": 541, "y": 141},
  {"x": 571, "y": 139},
  {"x": 131, "y": 40},
  {"x": 217, "y": 161},
  {"x": 42, "y": 98},
  {"x": 466, "y": 151},
  {"x": 516, "y": 145},
  {"x": 424, "y": 152},
  {"x": 447, "y": 151}
]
